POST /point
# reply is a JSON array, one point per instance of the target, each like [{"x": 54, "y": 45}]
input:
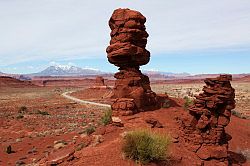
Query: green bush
[
  {"x": 239, "y": 114},
  {"x": 188, "y": 102},
  {"x": 41, "y": 112},
  {"x": 107, "y": 117},
  {"x": 9, "y": 149},
  {"x": 90, "y": 129},
  {"x": 80, "y": 146},
  {"x": 23, "y": 109},
  {"x": 19, "y": 116},
  {"x": 166, "y": 103},
  {"x": 145, "y": 146}
]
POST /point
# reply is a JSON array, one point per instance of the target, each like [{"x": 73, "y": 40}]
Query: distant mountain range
[
  {"x": 73, "y": 71},
  {"x": 162, "y": 74},
  {"x": 66, "y": 70}
]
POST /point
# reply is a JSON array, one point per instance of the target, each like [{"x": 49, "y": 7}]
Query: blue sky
[{"x": 185, "y": 36}]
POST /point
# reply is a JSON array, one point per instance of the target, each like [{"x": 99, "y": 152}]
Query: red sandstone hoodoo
[
  {"x": 99, "y": 83},
  {"x": 127, "y": 51},
  {"x": 204, "y": 126}
]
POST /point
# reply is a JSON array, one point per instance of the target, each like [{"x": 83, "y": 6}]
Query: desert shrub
[
  {"x": 145, "y": 146},
  {"x": 89, "y": 130},
  {"x": 244, "y": 152},
  {"x": 23, "y": 109},
  {"x": 238, "y": 114},
  {"x": 107, "y": 117},
  {"x": 188, "y": 102},
  {"x": 80, "y": 146},
  {"x": 41, "y": 112},
  {"x": 9, "y": 149},
  {"x": 19, "y": 116},
  {"x": 84, "y": 123},
  {"x": 166, "y": 103}
]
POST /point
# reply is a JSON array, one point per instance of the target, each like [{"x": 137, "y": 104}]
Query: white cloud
[
  {"x": 67, "y": 65},
  {"x": 75, "y": 29},
  {"x": 53, "y": 63}
]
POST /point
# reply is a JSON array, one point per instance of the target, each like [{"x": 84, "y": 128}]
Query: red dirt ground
[
  {"x": 109, "y": 152},
  {"x": 32, "y": 137}
]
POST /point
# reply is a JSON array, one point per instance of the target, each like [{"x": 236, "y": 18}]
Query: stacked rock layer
[
  {"x": 127, "y": 51},
  {"x": 99, "y": 84},
  {"x": 210, "y": 114},
  {"x": 99, "y": 81}
]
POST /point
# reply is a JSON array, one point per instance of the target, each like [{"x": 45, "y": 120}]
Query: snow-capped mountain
[
  {"x": 155, "y": 73},
  {"x": 67, "y": 70},
  {"x": 2, "y": 74}
]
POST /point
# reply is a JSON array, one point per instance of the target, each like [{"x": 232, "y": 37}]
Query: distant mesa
[
  {"x": 6, "y": 81},
  {"x": 24, "y": 78}
]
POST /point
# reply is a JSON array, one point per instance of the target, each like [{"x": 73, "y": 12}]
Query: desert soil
[{"x": 51, "y": 128}]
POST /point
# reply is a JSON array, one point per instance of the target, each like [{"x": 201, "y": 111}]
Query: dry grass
[{"x": 145, "y": 146}]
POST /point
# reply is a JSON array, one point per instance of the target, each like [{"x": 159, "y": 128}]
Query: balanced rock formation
[
  {"x": 204, "y": 126},
  {"x": 127, "y": 51}
]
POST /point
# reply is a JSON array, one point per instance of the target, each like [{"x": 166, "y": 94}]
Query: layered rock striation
[
  {"x": 204, "y": 127},
  {"x": 127, "y": 51}
]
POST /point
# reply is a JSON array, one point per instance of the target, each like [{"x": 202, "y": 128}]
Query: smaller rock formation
[
  {"x": 204, "y": 127},
  {"x": 154, "y": 123},
  {"x": 127, "y": 51},
  {"x": 116, "y": 121},
  {"x": 99, "y": 83}
]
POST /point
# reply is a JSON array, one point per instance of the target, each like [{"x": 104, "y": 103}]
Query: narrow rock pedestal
[{"x": 127, "y": 51}]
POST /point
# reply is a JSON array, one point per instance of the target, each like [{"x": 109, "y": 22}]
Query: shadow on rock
[{"x": 236, "y": 158}]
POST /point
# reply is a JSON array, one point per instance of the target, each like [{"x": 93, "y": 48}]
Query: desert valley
[
  {"x": 68, "y": 115},
  {"x": 42, "y": 126}
]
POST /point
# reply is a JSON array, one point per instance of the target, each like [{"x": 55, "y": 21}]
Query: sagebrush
[
  {"x": 107, "y": 117},
  {"x": 188, "y": 102},
  {"x": 145, "y": 146},
  {"x": 90, "y": 129}
]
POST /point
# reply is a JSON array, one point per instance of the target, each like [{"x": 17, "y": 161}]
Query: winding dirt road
[{"x": 65, "y": 94}]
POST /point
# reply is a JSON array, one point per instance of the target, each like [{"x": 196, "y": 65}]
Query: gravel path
[{"x": 65, "y": 94}]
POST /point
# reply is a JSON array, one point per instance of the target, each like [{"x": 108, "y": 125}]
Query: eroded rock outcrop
[
  {"x": 99, "y": 81},
  {"x": 99, "y": 84},
  {"x": 204, "y": 127},
  {"x": 127, "y": 51}
]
